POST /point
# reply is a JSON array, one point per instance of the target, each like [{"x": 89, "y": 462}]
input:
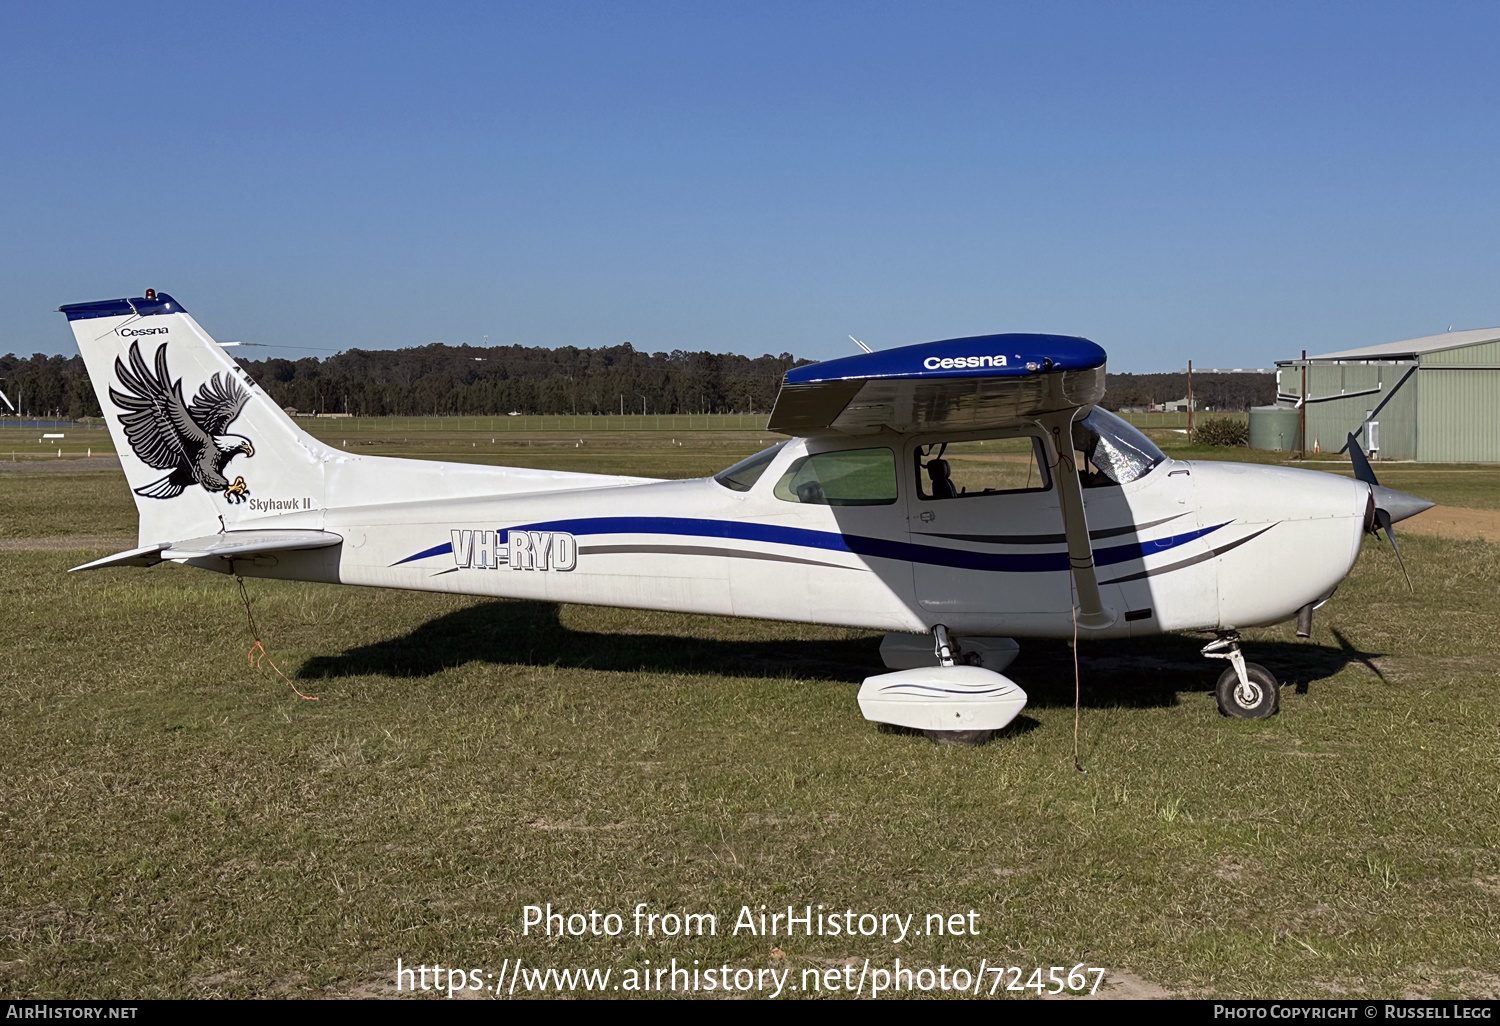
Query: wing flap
[{"x": 801, "y": 409}]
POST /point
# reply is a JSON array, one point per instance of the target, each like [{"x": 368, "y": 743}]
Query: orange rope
[
  {"x": 258, "y": 653},
  {"x": 1077, "y": 684}
]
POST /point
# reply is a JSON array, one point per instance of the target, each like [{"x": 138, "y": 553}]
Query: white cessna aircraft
[{"x": 1060, "y": 519}]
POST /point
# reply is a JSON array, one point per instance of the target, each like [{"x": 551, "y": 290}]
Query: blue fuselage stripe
[
  {"x": 436, "y": 550},
  {"x": 880, "y": 548}
]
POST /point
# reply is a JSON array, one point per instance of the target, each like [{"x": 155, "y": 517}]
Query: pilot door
[{"x": 985, "y": 528}]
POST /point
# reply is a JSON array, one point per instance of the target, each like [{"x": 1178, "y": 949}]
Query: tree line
[
  {"x": 1210, "y": 391},
  {"x": 468, "y": 380},
  {"x": 47, "y": 386},
  {"x": 476, "y": 381}
]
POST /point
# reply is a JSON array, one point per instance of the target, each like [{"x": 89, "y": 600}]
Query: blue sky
[{"x": 1228, "y": 183}]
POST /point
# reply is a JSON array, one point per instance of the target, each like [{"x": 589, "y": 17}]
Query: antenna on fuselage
[{"x": 860, "y": 344}]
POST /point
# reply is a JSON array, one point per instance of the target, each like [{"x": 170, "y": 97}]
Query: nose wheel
[{"x": 1245, "y": 691}]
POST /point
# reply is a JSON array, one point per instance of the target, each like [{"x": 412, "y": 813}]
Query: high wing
[
  {"x": 218, "y": 402},
  {"x": 961, "y": 384},
  {"x": 966, "y": 384},
  {"x": 155, "y": 418}
]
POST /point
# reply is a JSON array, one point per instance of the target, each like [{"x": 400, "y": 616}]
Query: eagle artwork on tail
[{"x": 189, "y": 440}]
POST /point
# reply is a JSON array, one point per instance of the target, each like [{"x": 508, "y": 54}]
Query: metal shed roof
[{"x": 1412, "y": 347}]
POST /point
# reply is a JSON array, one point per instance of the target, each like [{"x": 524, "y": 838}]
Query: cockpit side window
[
  {"x": 993, "y": 466},
  {"x": 1116, "y": 452},
  {"x": 742, "y": 476}
]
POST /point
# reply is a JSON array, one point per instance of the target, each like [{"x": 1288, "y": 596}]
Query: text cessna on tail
[{"x": 1058, "y": 512}]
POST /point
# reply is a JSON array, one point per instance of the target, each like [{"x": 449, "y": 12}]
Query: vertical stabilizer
[{"x": 202, "y": 446}]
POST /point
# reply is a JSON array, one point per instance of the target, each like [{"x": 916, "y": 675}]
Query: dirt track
[
  {"x": 1456, "y": 522},
  {"x": 67, "y": 464},
  {"x": 68, "y": 543}
]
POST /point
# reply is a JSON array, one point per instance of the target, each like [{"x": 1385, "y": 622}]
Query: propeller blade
[
  {"x": 1386, "y": 502},
  {"x": 1362, "y": 471},
  {"x": 1383, "y": 518}
]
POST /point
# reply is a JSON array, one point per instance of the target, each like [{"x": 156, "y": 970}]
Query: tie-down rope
[{"x": 258, "y": 653}]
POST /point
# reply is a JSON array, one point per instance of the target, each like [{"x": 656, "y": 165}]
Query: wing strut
[{"x": 1092, "y": 612}]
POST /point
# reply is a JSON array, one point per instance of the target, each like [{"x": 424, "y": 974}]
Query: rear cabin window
[
  {"x": 994, "y": 466},
  {"x": 849, "y": 477},
  {"x": 742, "y": 476}
]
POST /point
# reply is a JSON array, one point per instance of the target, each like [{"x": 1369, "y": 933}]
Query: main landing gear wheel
[
  {"x": 950, "y": 704},
  {"x": 1258, "y": 698},
  {"x": 944, "y": 651}
]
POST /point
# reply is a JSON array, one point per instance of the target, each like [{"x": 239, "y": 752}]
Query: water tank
[{"x": 1273, "y": 427}]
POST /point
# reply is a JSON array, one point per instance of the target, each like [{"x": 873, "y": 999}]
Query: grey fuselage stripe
[
  {"x": 1154, "y": 571},
  {"x": 709, "y": 550},
  {"x": 1047, "y": 539}
]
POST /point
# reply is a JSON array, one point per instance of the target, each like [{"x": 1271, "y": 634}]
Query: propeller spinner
[{"x": 1387, "y": 506}]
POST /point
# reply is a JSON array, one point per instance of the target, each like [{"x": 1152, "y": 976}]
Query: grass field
[{"x": 175, "y": 824}]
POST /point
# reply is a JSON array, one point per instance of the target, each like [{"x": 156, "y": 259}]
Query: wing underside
[
  {"x": 970, "y": 384},
  {"x": 913, "y": 406}
]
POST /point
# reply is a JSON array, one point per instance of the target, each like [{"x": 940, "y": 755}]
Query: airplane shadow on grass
[{"x": 1142, "y": 673}]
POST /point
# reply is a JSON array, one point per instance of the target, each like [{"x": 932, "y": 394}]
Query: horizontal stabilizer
[
  {"x": 227, "y": 545},
  {"x": 239, "y": 544},
  {"x": 146, "y": 555}
]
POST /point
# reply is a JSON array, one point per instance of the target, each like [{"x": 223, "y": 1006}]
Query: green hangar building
[{"x": 1433, "y": 400}]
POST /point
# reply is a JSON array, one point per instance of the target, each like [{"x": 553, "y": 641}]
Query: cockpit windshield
[
  {"x": 746, "y": 472},
  {"x": 1119, "y": 452}
]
